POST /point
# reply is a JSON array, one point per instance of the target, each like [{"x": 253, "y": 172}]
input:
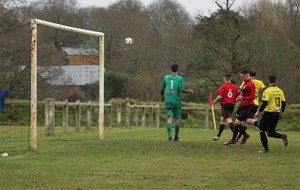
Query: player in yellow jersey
[{"x": 273, "y": 106}]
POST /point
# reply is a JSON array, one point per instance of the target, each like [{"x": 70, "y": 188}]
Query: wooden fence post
[
  {"x": 206, "y": 118},
  {"x": 151, "y": 116},
  {"x": 77, "y": 116},
  {"x": 144, "y": 116},
  {"x": 127, "y": 115},
  {"x": 110, "y": 113},
  {"x": 136, "y": 115},
  {"x": 47, "y": 113},
  {"x": 89, "y": 112},
  {"x": 52, "y": 116},
  {"x": 65, "y": 116},
  {"x": 119, "y": 111},
  {"x": 49, "y": 116},
  {"x": 157, "y": 116}
]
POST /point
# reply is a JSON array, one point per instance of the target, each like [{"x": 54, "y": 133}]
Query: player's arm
[
  {"x": 191, "y": 91},
  {"x": 283, "y": 105},
  {"x": 220, "y": 93},
  {"x": 217, "y": 98},
  {"x": 264, "y": 104},
  {"x": 249, "y": 98},
  {"x": 184, "y": 90},
  {"x": 262, "y": 108},
  {"x": 252, "y": 97}
]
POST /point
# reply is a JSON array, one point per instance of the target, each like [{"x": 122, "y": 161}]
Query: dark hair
[
  {"x": 174, "y": 67},
  {"x": 227, "y": 76},
  {"x": 244, "y": 71},
  {"x": 252, "y": 73},
  {"x": 272, "y": 79}
]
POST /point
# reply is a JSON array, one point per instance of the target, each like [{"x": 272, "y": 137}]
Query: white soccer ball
[
  {"x": 128, "y": 41},
  {"x": 4, "y": 154}
]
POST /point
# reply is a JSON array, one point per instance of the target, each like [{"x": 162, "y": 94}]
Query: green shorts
[{"x": 175, "y": 112}]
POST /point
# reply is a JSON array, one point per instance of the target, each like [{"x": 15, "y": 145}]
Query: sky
[{"x": 194, "y": 7}]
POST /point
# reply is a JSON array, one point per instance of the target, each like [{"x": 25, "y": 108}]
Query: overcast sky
[{"x": 192, "y": 6}]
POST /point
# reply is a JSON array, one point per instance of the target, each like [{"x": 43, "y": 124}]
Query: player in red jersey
[
  {"x": 228, "y": 94},
  {"x": 247, "y": 101}
]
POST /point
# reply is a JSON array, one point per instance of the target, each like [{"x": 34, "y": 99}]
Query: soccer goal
[{"x": 34, "y": 41}]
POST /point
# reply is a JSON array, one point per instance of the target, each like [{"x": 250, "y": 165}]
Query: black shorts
[
  {"x": 254, "y": 110},
  {"x": 269, "y": 121},
  {"x": 227, "y": 110},
  {"x": 244, "y": 112}
]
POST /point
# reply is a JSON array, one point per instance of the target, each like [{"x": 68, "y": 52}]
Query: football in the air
[{"x": 128, "y": 41}]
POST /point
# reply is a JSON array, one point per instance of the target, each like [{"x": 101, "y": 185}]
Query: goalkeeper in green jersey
[{"x": 170, "y": 90}]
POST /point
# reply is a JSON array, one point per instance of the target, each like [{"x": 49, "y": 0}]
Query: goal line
[{"x": 34, "y": 33}]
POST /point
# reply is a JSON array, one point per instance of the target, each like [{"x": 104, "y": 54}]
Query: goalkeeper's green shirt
[{"x": 172, "y": 86}]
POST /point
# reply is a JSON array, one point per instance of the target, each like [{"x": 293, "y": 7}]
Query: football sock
[
  {"x": 264, "y": 140},
  {"x": 169, "y": 129},
  {"x": 235, "y": 132},
  {"x": 221, "y": 128},
  {"x": 177, "y": 131},
  {"x": 231, "y": 126},
  {"x": 242, "y": 130}
]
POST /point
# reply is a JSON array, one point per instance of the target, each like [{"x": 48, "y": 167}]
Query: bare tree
[{"x": 166, "y": 14}]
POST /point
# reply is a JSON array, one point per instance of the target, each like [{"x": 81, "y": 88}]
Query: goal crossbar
[
  {"x": 100, "y": 35},
  {"x": 68, "y": 28}
]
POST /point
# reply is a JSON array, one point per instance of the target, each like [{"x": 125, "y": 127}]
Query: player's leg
[
  {"x": 228, "y": 117},
  {"x": 221, "y": 128},
  {"x": 177, "y": 116},
  {"x": 227, "y": 110},
  {"x": 251, "y": 120},
  {"x": 246, "y": 113},
  {"x": 169, "y": 114},
  {"x": 272, "y": 132},
  {"x": 230, "y": 123},
  {"x": 263, "y": 126},
  {"x": 239, "y": 128},
  {"x": 264, "y": 141},
  {"x": 177, "y": 127},
  {"x": 237, "y": 113},
  {"x": 235, "y": 132}
]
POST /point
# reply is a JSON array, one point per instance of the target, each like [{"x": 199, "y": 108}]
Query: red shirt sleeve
[{"x": 221, "y": 91}]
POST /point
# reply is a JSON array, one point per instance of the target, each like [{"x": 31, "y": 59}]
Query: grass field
[{"x": 141, "y": 158}]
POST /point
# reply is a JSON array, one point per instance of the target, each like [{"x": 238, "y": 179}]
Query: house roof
[
  {"x": 70, "y": 75},
  {"x": 81, "y": 51}
]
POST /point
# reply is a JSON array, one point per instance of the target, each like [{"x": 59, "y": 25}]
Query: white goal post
[{"x": 100, "y": 35}]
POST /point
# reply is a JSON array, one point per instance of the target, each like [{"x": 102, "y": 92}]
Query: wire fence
[{"x": 63, "y": 120}]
